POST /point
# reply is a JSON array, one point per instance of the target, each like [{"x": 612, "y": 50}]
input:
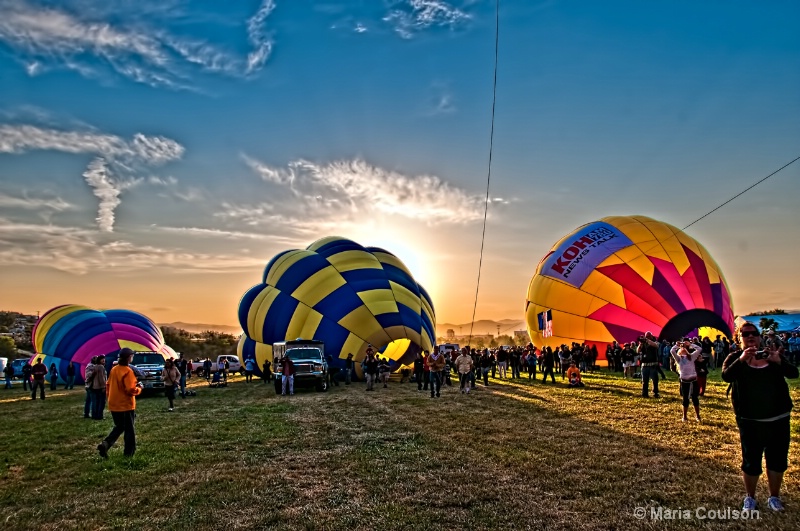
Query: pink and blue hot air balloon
[{"x": 72, "y": 333}]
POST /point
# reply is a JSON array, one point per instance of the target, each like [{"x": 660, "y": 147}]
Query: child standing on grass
[{"x": 685, "y": 362}]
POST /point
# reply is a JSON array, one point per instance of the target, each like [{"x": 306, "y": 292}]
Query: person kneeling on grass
[
  {"x": 763, "y": 406},
  {"x": 685, "y": 362},
  {"x": 574, "y": 376}
]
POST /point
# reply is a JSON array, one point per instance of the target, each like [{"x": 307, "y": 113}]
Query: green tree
[
  {"x": 7, "y": 348},
  {"x": 768, "y": 324},
  {"x": 776, "y": 311}
]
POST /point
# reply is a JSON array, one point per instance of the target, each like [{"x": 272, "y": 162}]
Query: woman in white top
[{"x": 684, "y": 360}]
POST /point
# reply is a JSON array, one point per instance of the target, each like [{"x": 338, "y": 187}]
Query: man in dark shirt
[
  {"x": 183, "y": 367},
  {"x": 648, "y": 350},
  {"x": 763, "y": 406},
  {"x": 39, "y": 371}
]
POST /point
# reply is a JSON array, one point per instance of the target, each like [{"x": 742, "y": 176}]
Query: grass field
[{"x": 515, "y": 455}]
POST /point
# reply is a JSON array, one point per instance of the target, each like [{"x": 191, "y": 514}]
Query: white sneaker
[
  {"x": 170, "y": 409},
  {"x": 775, "y": 504},
  {"x": 749, "y": 504}
]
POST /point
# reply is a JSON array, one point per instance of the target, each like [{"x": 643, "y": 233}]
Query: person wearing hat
[{"x": 123, "y": 388}]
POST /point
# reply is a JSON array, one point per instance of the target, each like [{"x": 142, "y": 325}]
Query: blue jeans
[
  {"x": 436, "y": 383},
  {"x": 70, "y": 382},
  {"x": 99, "y": 404},
  {"x": 88, "y": 405},
  {"x": 647, "y": 374},
  {"x": 8, "y": 382},
  {"x": 183, "y": 385},
  {"x": 287, "y": 381},
  {"x": 40, "y": 385}
]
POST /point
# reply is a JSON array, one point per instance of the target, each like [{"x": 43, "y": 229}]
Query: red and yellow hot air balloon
[{"x": 621, "y": 276}]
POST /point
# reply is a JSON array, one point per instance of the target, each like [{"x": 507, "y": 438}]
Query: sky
[{"x": 155, "y": 156}]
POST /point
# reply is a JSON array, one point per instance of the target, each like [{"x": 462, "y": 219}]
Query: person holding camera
[
  {"x": 685, "y": 362},
  {"x": 762, "y": 405},
  {"x": 648, "y": 352}
]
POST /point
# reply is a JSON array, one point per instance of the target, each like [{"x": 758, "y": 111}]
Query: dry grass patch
[{"x": 515, "y": 455}]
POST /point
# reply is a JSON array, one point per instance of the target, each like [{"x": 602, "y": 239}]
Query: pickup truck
[
  {"x": 234, "y": 365},
  {"x": 310, "y": 364},
  {"x": 148, "y": 366}
]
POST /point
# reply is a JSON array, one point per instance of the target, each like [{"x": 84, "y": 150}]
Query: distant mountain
[
  {"x": 482, "y": 327},
  {"x": 196, "y": 328}
]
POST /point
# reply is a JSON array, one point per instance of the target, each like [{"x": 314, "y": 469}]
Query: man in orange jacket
[{"x": 122, "y": 389}]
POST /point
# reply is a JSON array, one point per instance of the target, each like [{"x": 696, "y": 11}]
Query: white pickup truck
[{"x": 234, "y": 365}]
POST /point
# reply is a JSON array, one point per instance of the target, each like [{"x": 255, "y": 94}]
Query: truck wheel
[
  {"x": 277, "y": 387},
  {"x": 322, "y": 385}
]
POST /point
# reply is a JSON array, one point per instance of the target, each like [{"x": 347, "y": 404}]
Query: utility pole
[{"x": 498, "y": 330}]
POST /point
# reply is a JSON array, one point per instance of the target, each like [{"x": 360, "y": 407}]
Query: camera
[{"x": 761, "y": 355}]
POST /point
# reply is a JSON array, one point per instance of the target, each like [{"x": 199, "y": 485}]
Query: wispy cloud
[
  {"x": 75, "y": 37},
  {"x": 408, "y": 17},
  {"x": 343, "y": 188},
  {"x": 114, "y": 167},
  {"x": 34, "y": 203},
  {"x": 81, "y": 251}
]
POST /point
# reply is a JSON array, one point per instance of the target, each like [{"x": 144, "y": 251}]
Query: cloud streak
[
  {"x": 81, "y": 251},
  {"x": 45, "y": 37},
  {"x": 350, "y": 187},
  {"x": 112, "y": 170}
]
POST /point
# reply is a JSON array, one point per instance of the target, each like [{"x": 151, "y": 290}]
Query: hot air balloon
[
  {"x": 343, "y": 294},
  {"x": 621, "y": 276},
  {"x": 77, "y": 333}
]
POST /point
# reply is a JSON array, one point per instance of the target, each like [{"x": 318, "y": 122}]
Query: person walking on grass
[
  {"x": 464, "y": 365},
  {"x": 172, "y": 378},
  {"x": 685, "y": 361},
  {"x": 548, "y": 361},
  {"x": 38, "y": 371},
  {"x": 436, "y": 365},
  {"x": 122, "y": 392},
  {"x": 762, "y": 405}
]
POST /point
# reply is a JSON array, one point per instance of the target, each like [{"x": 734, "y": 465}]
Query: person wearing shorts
[{"x": 762, "y": 404}]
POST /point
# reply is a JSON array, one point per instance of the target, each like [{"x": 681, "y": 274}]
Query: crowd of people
[{"x": 756, "y": 367}]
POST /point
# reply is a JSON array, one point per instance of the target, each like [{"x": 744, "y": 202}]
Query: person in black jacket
[{"x": 763, "y": 406}]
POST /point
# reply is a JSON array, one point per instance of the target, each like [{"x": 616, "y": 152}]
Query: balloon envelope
[
  {"x": 343, "y": 294},
  {"x": 621, "y": 276},
  {"x": 73, "y": 333}
]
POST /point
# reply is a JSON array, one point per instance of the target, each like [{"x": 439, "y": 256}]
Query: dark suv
[{"x": 310, "y": 365}]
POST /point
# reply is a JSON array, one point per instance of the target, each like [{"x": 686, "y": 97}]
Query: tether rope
[{"x": 489, "y": 171}]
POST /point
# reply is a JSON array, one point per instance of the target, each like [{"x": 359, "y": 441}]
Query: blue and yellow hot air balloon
[
  {"x": 621, "y": 276},
  {"x": 343, "y": 294},
  {"x": 77, "y": 333}
]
